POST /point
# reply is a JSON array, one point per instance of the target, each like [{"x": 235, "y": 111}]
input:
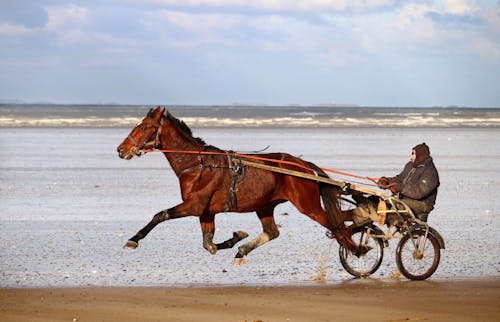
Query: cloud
[
  {"x": 458, "y": 7},
  {"x": 7, "y": 29},
  {"x": 343, "y": 30},
  {"x": 237, "y": 40},
  {"x": 277, "y": 5},
  {"x": 65, "y": 16},
  {"x": 492, "y": 18}
]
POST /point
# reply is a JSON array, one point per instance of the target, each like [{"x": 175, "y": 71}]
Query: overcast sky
[{"x": 279, "y": 52}]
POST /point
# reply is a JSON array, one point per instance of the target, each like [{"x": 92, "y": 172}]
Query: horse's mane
[{"x": 182, "y": 127}]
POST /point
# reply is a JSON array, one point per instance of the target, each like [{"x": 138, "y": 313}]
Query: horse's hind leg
[
  {"x": 237, "y": 236},
  {"x": 270, "y": 232},
  {"x": 311, "y": 207},
  {"x": 208, "y": 229}
]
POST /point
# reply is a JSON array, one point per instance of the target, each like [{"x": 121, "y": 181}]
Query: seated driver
[{"x": 417, "y": 186}]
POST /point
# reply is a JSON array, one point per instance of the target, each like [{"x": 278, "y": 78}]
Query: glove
[{"x": 382, "y": 182}]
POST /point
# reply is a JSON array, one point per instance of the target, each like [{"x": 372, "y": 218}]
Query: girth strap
[{"x": 236, "y": 170}]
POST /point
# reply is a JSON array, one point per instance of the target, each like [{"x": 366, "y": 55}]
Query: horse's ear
[
  {"x": 150, "y": 112},
  {"x": 156, "y": 113}
]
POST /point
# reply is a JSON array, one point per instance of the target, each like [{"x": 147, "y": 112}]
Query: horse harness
[
  {"x": 152, "y": 141},
  {"x": 233, "y": 164},
  {"x": 236, "y": 172}
]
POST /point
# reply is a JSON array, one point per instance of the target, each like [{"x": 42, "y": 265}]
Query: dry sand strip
[{"x": 356, "y": 300}]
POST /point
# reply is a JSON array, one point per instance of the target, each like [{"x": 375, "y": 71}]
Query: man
[{"x": 417, "y": 186}]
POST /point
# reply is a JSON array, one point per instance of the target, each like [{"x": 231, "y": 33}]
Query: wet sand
[{"x": 356, "y": 300}]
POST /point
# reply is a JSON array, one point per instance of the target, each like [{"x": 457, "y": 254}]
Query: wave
[
  {"x": 416, "y": 121},
  {"x": 68, "y": 122},
  {"x": 250, "y": 116}
]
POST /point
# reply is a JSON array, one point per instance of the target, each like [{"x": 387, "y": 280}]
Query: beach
[
  {"x": 69, "y": 204},
  {"x": 357, "y": 300}
]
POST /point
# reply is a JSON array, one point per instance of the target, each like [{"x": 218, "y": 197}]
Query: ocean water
[
  {"x": 69, "y": 204},
  {"x": 250, "y": 116}
]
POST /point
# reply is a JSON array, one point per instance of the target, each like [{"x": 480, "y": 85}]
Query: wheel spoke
[
  {"x": 364, "y": 264},
  {"x": 418, "y": 255}
]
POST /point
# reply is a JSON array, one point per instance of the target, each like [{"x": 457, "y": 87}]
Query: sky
[{"x": 274, "y": 52}]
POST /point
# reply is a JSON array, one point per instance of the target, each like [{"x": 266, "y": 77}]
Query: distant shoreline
[
  {"x": 175, "y": 106},
  {"x": 236, "y": 104}
]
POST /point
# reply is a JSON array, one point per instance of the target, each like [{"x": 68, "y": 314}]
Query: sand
[{"x": 356, "y": 300}]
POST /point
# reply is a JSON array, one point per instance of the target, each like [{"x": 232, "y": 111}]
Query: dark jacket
[{"x": 419, "y": 183}]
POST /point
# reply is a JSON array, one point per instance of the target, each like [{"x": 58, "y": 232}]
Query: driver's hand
[{"x": 382, "y": 182}]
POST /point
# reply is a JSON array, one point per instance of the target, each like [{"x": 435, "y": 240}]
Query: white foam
[{"x": 417, "y": 120}]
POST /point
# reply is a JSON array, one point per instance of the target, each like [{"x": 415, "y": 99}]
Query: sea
[
  {"x": 324, "y": 116},
  {"x": 69, "y": 203}
]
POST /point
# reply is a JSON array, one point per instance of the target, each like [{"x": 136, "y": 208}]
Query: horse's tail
[{"x": 331, "y": 197}]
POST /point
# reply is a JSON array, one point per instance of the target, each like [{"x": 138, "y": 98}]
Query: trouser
[
  {"x": 367, "y": 209},
  {"x": 419, "y": 208},
  {"x": 416, "y": 206}
]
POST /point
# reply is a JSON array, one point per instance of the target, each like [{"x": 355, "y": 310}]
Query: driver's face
[{"x": 413, "y": 156}]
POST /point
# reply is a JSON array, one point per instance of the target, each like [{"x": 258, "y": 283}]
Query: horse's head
[{"x": 145, "y": 135}]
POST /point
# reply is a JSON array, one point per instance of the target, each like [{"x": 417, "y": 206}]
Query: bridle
[{"x": 153, "y": 141}]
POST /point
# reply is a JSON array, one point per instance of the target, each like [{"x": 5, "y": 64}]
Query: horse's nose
[{"x": 120, "y": 150}]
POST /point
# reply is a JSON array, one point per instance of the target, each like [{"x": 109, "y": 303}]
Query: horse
[{"x": 212, "y": 181}]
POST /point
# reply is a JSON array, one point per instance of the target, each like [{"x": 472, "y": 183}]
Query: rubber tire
[
  {"x": 359, "y": 235},
  {"x": 406, "y": 247}
]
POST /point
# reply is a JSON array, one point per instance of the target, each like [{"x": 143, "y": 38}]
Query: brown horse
[{"x": 212, "y": 182}]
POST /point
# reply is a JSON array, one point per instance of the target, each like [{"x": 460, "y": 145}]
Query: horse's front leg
[
  {"x": 182, "y": 210},
  {"x": 208, "y": 230},
  {"x": 133, "y": 242}
]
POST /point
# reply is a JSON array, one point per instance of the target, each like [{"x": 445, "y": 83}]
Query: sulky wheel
[
  {"x": 417, "y": 255},
  {"x": 365, "y": 264}
]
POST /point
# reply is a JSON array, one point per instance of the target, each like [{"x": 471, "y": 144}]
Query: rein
[
  {"x": 246, "y": 156},
  {"x": 151, "y": 145}
]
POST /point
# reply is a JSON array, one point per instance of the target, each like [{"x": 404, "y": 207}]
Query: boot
[{"x": 361, "y": 216}]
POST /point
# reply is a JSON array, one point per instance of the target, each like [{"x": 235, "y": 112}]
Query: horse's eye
[{"x": 143, "y": 128}]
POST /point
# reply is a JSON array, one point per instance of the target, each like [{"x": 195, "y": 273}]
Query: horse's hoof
[
  {"x": 362, "y": 250},
  {"x": 238, "y": 261},
  {"x": 131, "y": 245},
  {"x": 212, "y": 249},
  {"x": 240, "y": 235}
]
